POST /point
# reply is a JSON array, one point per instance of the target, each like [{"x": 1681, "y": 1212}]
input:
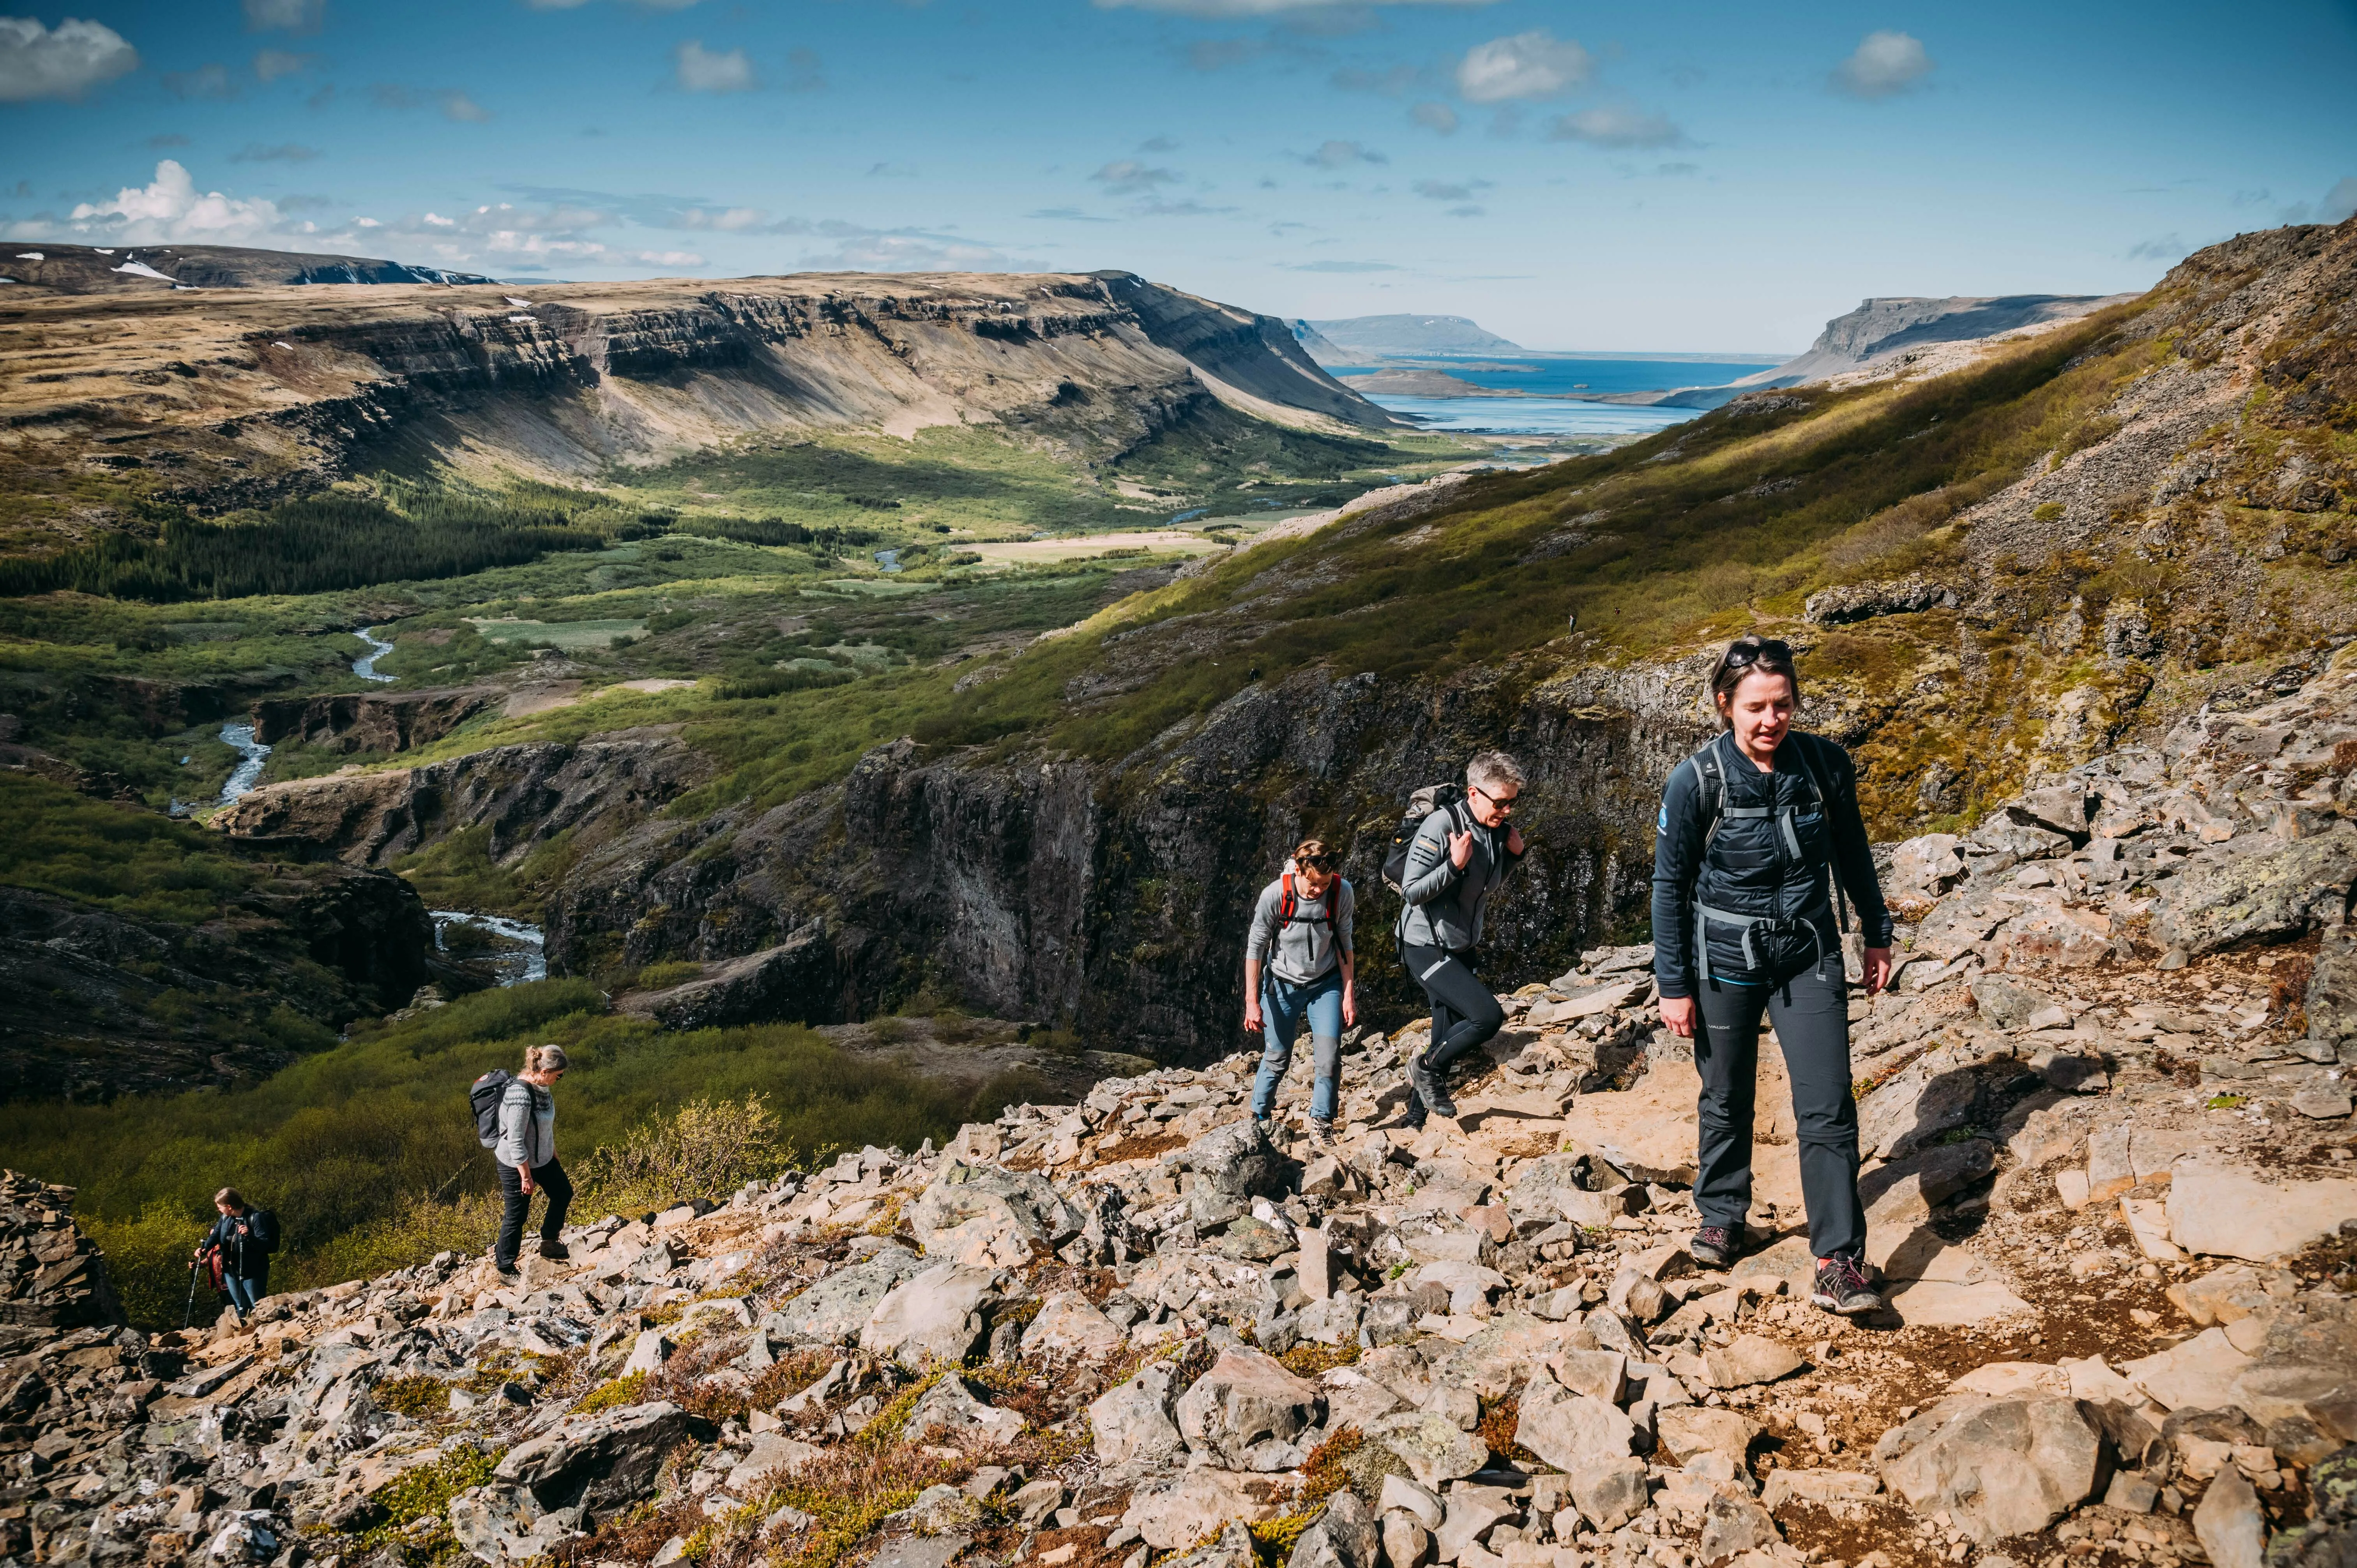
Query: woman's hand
[
  {"x": 1461, "y": 849},
  {"x": 1877, "y": 968},
  {"x": 1252, "y": 1014},
  {"x": 1350, "y": 1005},
  {"x": 1513, "y": 841},
  {"x": 1678, "y": 1015},
  {"x": 525, "y": 1171}
]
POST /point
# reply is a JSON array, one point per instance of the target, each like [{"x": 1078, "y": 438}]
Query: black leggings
[
  {"x": 1464, "y": 1012},
  {"x": 549, "y": 1178},
  {"x": 1812, "y": 1014}
]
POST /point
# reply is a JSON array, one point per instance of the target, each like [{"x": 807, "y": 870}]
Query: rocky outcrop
[
  {"x": 383, "y": 722},
  {"x": 50, "y": 1274},
  {"x": 94, "y": 1004},
  {"x": 525, "y": 795}
]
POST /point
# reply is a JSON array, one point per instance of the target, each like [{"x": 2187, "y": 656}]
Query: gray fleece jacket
[
  {"x": 1304, "y": 947},
  {"x": 1443, "y": 906},
  {"x": 527, "y": 1125}
]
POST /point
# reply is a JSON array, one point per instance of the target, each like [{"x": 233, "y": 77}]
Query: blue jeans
[
  {"x": 244, "y": 1293},
  {"x": 1283, "y": 1006}
]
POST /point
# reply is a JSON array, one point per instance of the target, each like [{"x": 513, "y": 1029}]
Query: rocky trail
[{"x": 2107, "y": 1119}]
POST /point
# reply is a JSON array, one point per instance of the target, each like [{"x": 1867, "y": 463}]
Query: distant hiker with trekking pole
[
  {"x": 516, "y": 1119},
  {"x": 236, "y": 1251},
  {"x": 1445, "y": 871},
  {"x": 1758, "y": 839},
  {"x": 1298, "y": 967}
]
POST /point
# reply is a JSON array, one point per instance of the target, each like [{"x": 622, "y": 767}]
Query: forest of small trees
[{"x": 308, "y": 546}]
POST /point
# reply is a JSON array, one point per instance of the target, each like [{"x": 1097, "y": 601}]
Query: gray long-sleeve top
[
  {"x": 527, "y": 1125},
  {"x": 1303, "y": 949},
  {"x": 1443, "y": 904}
]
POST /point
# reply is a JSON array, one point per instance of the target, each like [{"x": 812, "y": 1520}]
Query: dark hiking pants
[
  {"x": 1464, "y": 1012},
  {"x": 1812, "y": 1015},
  {"x": 549, "y": 1178}
]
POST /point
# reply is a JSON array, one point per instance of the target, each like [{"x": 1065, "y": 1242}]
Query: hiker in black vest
[
  {"x": 243, "y": 1240},
  {"x": 1459, "y": 856},
  {"x": 527, "y": 1156},
  {"x": 1298, "y": 967},
  {"x": 1758, "y": 839}
]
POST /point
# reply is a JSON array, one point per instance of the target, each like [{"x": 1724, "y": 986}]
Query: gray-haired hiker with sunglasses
[
  {"x": 1460, "y": 856},
  {"x": 1297, "y": 969},
  {"x": 1759, "y": 837}
]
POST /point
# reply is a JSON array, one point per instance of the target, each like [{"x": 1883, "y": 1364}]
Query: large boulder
[
  {"x": 938, "y": 1315},
  {"x": 834, "y": 1309},
  {"x": 1183, "y": 1509},
  {"x": 1132, "y": 1420},
  {"x": 599, "y": 1462},
  {"x": 1998, "y": 1467},
  {"x": 1237, "y": 1164},
  {"x": 1248, "y": 1398},
  {"x": 1069, "y": 1327},
  {"x": 1432, "y": 1446},
  {"x": 500, "y": 1525},
  {"x": 2229, "y": 896},
  {"x": 983, "y": 1215},
  {"x": 1344, "y": 1536},
  {"x": 1568, "y": 1430},
  {"x": 2331, "y": 1005},
  {"x": 949, "y": 1411}
]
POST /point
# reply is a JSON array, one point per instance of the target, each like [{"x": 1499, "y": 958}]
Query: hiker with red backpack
[
  {"x": 516, "y": 1118},
  {"x": 1298, "y": 967}
]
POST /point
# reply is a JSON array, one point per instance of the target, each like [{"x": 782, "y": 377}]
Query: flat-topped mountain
[
  {"x": 1880, "y": 328},
  {"x": 146, "y": 269},
  {"x": 1378, "y": 335}
]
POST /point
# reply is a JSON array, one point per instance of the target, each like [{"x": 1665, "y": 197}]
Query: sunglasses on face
[
  {"x": 1503, "y": 802},
  {"x": 1769, "y": 650}
]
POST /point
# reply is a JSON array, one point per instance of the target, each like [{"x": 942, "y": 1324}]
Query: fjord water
[{"x": 1558, "y": 385}]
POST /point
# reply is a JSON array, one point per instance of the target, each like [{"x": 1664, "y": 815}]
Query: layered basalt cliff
[{"x": 233, "y": 397}]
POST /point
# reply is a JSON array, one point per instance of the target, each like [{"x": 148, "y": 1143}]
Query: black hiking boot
[
  {"x": 1844, "y": 1286},
  {"x": 1429, "y": 1090},
  {"x": 554, "y": 1250},
  {"x": 1716, "y": 1246},
  {"x": 507, "y": 1270}
]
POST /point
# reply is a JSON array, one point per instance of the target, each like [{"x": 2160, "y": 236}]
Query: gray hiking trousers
[{"x": 1812, "y": 1015}]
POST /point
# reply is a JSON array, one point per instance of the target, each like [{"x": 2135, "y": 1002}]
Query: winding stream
[
  {"x": 365, "y": 665},
  {"x": 242, "y": 778},
  {"x": 528, "y": 960}
]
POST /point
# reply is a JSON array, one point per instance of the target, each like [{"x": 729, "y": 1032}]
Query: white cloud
[
  {"x": 2165, "y": 248},
  {"x": 1341, "y": 267},
  {"x": 271, "y": 64},
  {"x": 700, "y": 69},
  {"x": 874, "y": 252},
  {"x": 1535, "y": 64},
  {"x": 1884, "y": 64},
  {"x": 2339, "y": 203},
  {"x": 1341, "y": 155},
  {"x": 1614, "y": 125},
  {"x": 205, "y": 81},
  {"x": 1449, "y": 189},
  {"x": 1438, "y": 117},
  {"x": 1262, "y": 7},
  {"x": 1129, "y": 174},
  {"x": 170, "y": 209},
  {"x": 37, "y": 62},
  {"x": 283, "y": 16},
  {"x": 457, "y": 105}
]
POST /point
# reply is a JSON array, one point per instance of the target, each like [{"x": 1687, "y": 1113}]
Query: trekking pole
[{"x": 189, "y": 1314}]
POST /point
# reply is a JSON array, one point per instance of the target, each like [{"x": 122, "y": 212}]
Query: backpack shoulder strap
[
  {"x": 1711, "y": 775},
  {"x": 1287, "y": 903}
]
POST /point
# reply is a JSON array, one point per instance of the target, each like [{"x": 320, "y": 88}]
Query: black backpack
[
  {"x": 1423, "y": 803},
  {"x": 261, "y": 1231},
  {"x": 488, "y": 1090},
  {"x": 1714, "y": 793}
]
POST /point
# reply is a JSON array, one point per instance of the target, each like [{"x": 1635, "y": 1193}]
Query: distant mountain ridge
[
  {"x": 1883, "y": 327},
  {"x": 1406, "y": 335},
  {"x": 119, "y": 269}
]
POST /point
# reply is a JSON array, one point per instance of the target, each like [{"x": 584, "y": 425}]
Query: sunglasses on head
[
  {"x": 1766, "y": 651},
  {"x": 1320, "y": 862}
]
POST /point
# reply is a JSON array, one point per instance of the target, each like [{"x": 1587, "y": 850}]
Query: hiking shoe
[
  {"x": 1323, "y": 1132},
  {"x": 1715, "y": 1246},
  {"x": 1266, "y": 1127},
  {"x": 1844, "y": 1286},
  {"x": 554, "y": 1250},
  {"x": 507, "y": 1270},
  {"x": 1428, "y": 1088}
]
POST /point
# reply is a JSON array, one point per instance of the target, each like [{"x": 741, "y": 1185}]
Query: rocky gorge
[{"x": 2105, "y": 1108}]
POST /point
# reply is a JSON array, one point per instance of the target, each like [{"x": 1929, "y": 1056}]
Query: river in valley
[
  {"x": 365, "y": 665},
  {"x": 512, "y": 950},
  {"x": 241, "y": 778}
]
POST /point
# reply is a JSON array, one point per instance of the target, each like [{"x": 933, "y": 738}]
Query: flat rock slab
[
  {"x": 2225, "y": 1211},
  {"x": 1937, "y": 1304},
  {"x": 2197, "y": 1375},
  {"x": 1751, "y": 1359},
  {"x": 1433, "y": 1449}
]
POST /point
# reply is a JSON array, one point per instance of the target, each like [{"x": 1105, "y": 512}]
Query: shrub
[
  {"x": 701, "y": 1150},
  {"x": 663, "y": 976},
  {"x": 610, "y": 1395}
]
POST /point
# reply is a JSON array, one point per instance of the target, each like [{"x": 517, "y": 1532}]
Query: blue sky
[{"x": 1698, "y": 177}]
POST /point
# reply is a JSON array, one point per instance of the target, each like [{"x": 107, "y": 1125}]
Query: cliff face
[
  {"x": 1882, "y": 328},
  {"x": 229, "y": 398}
]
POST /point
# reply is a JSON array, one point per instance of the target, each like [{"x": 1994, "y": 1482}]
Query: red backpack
[{"x": 1288, "y": 906}]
